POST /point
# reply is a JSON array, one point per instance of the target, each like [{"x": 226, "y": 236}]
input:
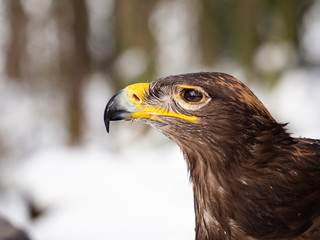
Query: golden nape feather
[{"x": 251, "y": 179}]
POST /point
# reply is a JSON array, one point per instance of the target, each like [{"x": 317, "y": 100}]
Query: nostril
[{"x": 135, "y": 98}]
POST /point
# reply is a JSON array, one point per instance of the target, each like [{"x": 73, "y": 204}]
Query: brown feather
[{"x": 251, "y": 179}]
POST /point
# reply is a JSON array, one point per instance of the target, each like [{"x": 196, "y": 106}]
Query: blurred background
[{"x": 61, "y": 175}]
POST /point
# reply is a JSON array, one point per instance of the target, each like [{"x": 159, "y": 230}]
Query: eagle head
[
  {"x": 251, "y": 179},
  {"x": 191, "y": 108}
]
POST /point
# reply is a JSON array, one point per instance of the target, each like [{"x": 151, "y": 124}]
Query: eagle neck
[
  {"x": 217, "y": 173},
  {"x": 210, "y": 186}
]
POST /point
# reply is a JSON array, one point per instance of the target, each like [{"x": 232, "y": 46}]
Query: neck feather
[{"x": 217, "y": 170}]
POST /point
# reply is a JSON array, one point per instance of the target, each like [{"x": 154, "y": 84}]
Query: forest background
[{"x": 62, "y": 176}]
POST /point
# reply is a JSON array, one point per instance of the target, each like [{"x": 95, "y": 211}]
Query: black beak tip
[
  {"x": 106, "y": 119},
  {"x": 113, "y": 111},
  {"x": 107, "y": 123}
]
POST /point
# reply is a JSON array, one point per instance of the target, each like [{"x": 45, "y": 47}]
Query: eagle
[{"x": 251, "y": 179}]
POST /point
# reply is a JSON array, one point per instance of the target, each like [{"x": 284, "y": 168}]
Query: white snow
[{"x": 95, "y": 194}]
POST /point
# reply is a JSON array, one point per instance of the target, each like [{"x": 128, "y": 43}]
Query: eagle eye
[{"x": 192, "y": 95}]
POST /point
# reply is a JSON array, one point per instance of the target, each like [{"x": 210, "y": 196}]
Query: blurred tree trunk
[
  {"x": 132, "y": 30},
  {"x": 236, "y": 29},
  {"x": 212, "y": 25},
  {"x": 227, "y": 28},
  {"x": 16, "y": 48},
  {"x": 292, "y": 15},
  {"x": 244, "y": 37},
  {"x": 72, "y": 17}
]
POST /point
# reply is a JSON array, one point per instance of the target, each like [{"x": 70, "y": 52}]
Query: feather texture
[{"x": 251, "y": 179}]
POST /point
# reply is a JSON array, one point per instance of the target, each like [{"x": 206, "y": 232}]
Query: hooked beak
[
  {"x": 130, "y": 103},
  {"x": 124, "y": 104}
]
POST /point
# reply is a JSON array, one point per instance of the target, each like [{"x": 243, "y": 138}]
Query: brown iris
[{"x": 192, "y": 95}]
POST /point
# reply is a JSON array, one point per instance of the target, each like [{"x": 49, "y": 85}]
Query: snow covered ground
[{"x": 95, "y": 194}]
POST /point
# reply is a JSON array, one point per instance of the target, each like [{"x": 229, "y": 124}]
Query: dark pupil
[{"x": 192, "y": 95}]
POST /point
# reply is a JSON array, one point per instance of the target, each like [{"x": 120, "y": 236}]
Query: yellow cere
[{"x": 136, "y": 94}]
